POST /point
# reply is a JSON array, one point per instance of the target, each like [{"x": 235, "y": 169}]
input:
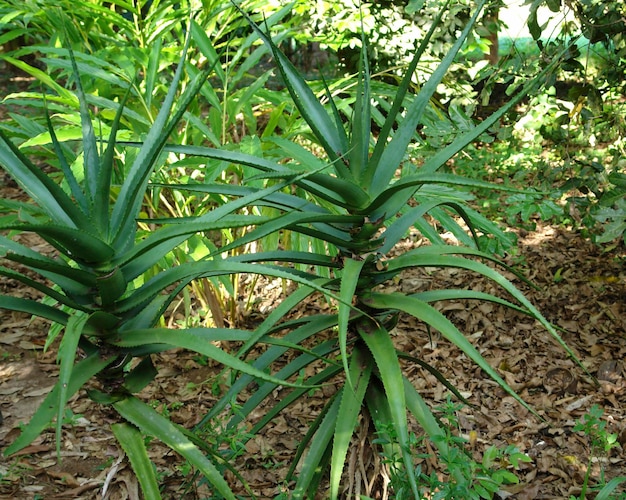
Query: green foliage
[
  {"x": 601, "y": 442},
  {"x": 585, "y": 115},
  {"x": 106, "y": 296},
  {"x": 464, "y": 475},
  {"x": 352, "y": 200}
]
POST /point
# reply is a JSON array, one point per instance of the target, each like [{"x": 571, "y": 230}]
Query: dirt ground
[{"x": 581, "y": 289}]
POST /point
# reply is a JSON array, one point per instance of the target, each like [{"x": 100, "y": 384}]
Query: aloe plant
[
  {"x": 353, "y": 202},
  {"x": 102, "y": 291}
]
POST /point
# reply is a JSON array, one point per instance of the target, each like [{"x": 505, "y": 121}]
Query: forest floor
[{"x": 580, "y": 288}]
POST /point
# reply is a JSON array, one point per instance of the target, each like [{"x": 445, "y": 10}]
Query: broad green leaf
[
  {"x": 132, "y": 442},
  {"x": 43, "y": 78},
  {"x": 383, "y": 351},
  {"x": 149, "y": 421},
  {"x": 193, "y": 340},
  {"x": 66, "y": 357},
  {"x": 348, "y": 415}
]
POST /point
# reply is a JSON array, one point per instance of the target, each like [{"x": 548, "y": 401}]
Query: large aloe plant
[
  {"x": 102, "y": 288},
  {"x": 353, "y": 201}
]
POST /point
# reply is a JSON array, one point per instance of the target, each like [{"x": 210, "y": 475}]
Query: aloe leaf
[
  {"x": 349, "y": 281},
  {"x": 299, "y": 222},
  {"x": 461, "y": 294},
  {"x": 383, "y": 351},
  {"x": 44, "y": 191},
  {"x": 429, "y": 315},
  {"x": 265, "y": 359},
  {"x": 132, "y": 442},
  {"x": 77, "y": 244},
  {"x": 323, "y": 186},
  {"x": 347, "y": 188},
  {"x": 358, "y": 155},
  {"x": 127, "y": 205},
  {"x": 102, "y": 196},
  {"x": 91, "y": 161},
  {"x": 398, "y": 100},
  {"x": 279, "y": 200},
  {"x": 414, "y": 258},
  {"x": 348, "y": 415},
  {"x": 437, "y": 374},
  {"x": 294, "y": 257},
  {"x": 164, "y": 240},
  {"x": 398, "y": 228},
  {"x": 46, "y": 290},
  {"x": 151, "y": 422},
  {"x": 70, "y": 279},
  {"x": 35, "y": 308},
  {"x": 394, "y": 151},
  {"x": 322, "y": 377},
  {"x": 152, "y": 70},
  {"x": 68, "y": 174},
  {"x": 318, "y": 447},
  {"x": 389, "y": 194},
  {"x": 66, "y": 356},
  {"x": 497, "y": 278},
  {"x": 195, "y": 341},
  {"x": 323, "y": 126},
  {"x": 81, "y": 373},
  {"x": 443, "y": 155},
  {"x": 420, "y": 410}
]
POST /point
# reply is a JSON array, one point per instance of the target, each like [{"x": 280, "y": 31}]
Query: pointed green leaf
[
  {"x": 383, "y": 351},
  {"x": 65, "y": 357},
  {"x": 317, "y": 449},
  {"x": 44, "y": 191},
  {"x": 393, "y": 154},
  {"x": 149, "y": 421},
  {"x": 132, "y": 442},
  {"x": 195, "y": 341},
  {"x": 429, "y": 315},
  {"x": 348, "y": 416}
]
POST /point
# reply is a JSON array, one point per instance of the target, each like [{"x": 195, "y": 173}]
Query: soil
[{"x": 581, "y": 288}]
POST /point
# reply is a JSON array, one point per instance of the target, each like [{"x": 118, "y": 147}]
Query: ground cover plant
[{"x": 348, "y": 225}]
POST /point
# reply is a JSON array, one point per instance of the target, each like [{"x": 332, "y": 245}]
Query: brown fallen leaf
[{"x": 64, "y": 477}]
